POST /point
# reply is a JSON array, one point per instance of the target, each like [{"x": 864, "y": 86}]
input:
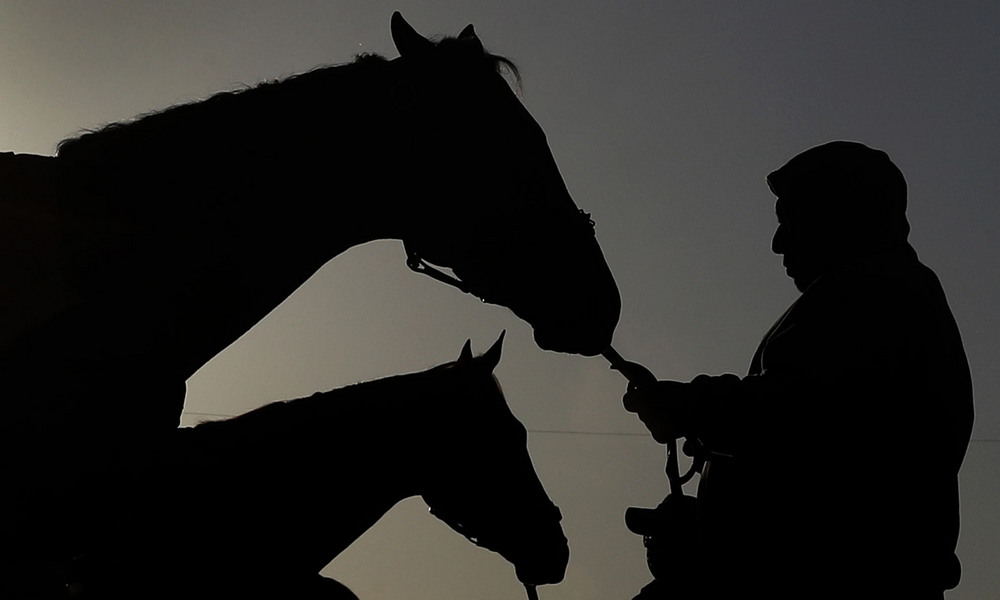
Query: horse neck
[
  {"x": 412, "y": 411},
  {"x": 310, "y": 150},
  {"x": 392, "y": 428},
  {"x": 397, "y": 425},
  {"x": 357, "y": 451},
  {"x": 413, "y": 422}
]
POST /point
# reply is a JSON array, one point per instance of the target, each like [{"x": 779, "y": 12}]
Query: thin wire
[
  {"x": 541, "y": 431},
  {"x": 204, "y": 414},
  {"x": 573, "y": 432},
  {"x": 567, "y": 431}
]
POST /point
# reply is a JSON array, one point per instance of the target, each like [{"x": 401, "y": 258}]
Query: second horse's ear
[
  {"x": 466, "y": 354},
  {"x": 408, "y": 42},
  {"x": 492, "y": 356}
]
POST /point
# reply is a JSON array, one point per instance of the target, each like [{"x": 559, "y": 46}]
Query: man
[{"x": 832, "y": 467}]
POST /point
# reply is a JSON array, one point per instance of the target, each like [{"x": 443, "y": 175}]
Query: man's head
[{"x": 837, "y": 202}]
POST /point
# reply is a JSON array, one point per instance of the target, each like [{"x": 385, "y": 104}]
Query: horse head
[
  {"x": 486, "y": 199},
  {"x": 483, "y": 484}
]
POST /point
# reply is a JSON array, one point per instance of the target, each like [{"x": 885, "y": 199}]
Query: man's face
[{"x": 803, "y": 246}]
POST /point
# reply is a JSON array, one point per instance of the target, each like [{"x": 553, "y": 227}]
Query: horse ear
[
  {"x": 408, "y": 42},
  {"x": 466, "y": 354},
  {"x": 492, "y": 356},
  {"x": 468, "y": 36}
]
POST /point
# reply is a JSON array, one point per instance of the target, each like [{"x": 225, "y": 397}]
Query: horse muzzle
[
  {"x": 574, "y": 312},
  {"x": 547, "y": 570},
  {"x": 537, "y": 548}
]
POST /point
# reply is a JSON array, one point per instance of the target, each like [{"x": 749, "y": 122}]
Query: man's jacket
[{"x": 835, "y": 461}]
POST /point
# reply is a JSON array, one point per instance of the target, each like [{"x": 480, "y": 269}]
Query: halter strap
[{"x": 418, "y": 265}]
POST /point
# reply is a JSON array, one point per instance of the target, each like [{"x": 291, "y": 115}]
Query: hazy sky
[{"x": 664, "y": 118}]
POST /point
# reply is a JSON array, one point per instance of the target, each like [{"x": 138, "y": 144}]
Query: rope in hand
[
  {"x": 639, "y": 376},
  {"x": 532, "y": 591}
]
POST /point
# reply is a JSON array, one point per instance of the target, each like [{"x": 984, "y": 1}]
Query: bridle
[
  {"x": 491, "y": 541},
  {"x": 417, "y": 263},
  {"x": 403, "y": 96}
]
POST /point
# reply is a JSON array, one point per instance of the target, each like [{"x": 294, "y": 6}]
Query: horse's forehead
[{"x": 444, "y": 78}]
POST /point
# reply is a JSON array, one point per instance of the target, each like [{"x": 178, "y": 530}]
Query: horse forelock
[
  {"x": 499, "y": 64},
  {"x": 496, "y": 63}
]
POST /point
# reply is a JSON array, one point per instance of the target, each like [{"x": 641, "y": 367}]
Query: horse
[
  {"x": 191, "y": 224},
  {"x": 141, "y": 250},
  {"x": 300, "y": 480}
]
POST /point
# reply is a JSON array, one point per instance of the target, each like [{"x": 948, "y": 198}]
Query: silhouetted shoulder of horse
[{"x": 301, "y": 480}]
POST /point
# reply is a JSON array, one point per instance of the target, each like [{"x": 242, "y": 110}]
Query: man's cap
[{"x": 841, "y": 181}]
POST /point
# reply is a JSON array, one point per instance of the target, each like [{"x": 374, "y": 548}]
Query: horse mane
[
  {"x": 200, "y": 115},
  {"x": 282, "y": 416}
]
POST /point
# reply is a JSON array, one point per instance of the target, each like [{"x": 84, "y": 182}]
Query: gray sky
[{"x": 664, "y": 118}]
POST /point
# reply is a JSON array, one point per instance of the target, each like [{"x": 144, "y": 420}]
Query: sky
[{"x": 664, "y": 118}]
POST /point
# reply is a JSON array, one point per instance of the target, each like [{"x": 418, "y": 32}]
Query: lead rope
[
  {"x": 638, "y": 375},
  {"x": 419, "y": 265}
]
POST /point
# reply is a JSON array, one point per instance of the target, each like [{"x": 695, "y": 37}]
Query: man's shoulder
[
  {"x": 875, "y": 292},
  {"x": 877, "y": 276}
]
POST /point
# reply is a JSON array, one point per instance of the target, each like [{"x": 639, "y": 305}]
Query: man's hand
[{"x": 663, "y": 407}]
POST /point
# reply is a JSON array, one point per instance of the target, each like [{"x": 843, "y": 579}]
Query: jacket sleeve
[{"x": 825, "y": 369}]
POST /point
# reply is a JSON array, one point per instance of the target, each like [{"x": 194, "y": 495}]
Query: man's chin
[{"x": 802, "y": 283}]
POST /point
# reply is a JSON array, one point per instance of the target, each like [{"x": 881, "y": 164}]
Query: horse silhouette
[
  {"x": 294, "y": 502},
  {"x": 143, "y": 249}
]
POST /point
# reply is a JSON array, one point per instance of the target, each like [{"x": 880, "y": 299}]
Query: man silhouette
[{"x": 832, "y": 467}]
